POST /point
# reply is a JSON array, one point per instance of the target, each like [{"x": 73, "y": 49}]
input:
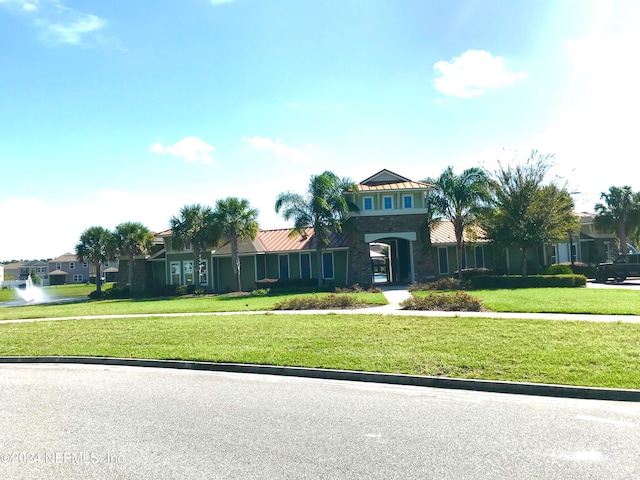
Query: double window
[{"x": 77, "y": 278}]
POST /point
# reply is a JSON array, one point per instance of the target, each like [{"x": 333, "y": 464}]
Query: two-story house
[{"x": 67, "y": 269}]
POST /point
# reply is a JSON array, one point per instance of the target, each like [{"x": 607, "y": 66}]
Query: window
[
  {"x": 327, "y": 265},
  {"x": 188, "y": 272},
  {"x": 77, "y": 278},
  {"x": 72, "y": 265},
  {"x": 443, "y": 261},
  {"x": 41, "y": 269},
  {"x": 204, "y": 274},
  {"x": 554, "y": 254},
  {"x": 106, "y": 264},
  {"x": 607, "y": 251},
  {"x": 58, "y": 266},
  {"x": 305, "y": 265},
  {"x": 175, "y": 273},
  {"x": 479, "y": 251},
  {"x": 574, "y": 253},
  {"x": 407, "y": 201},
  {"x": 85, "y": 265},
  {"x": 367, "y": 203},
  {"x": 387, "y": 203},
  {"x": 283, "y": 265}
]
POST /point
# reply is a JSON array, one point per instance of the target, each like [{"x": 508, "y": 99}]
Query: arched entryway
[{"x": 391, "y": 258}]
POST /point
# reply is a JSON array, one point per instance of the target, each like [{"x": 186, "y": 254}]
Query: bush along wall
[{"x": 531, "y": 281}]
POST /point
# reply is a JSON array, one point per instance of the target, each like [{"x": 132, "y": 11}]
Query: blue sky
[{"x": 126, "y": 111}]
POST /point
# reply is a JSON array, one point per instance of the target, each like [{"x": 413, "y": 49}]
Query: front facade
[
  {"x": 23, "y": 270},
  {"x": 67, "y": 269}
]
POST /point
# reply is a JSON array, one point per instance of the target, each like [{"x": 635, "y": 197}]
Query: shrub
[
  {"x": 558, "y": 269},
  {"x": 452, "y": 302},
  {"x": 96, "y": 296},
  {"x": 181, "y": 290},
  {"x": 356, "y": 288},
  {"x": 116, "y": 291},
  {"x": 445, "y": 283},
  {"x": 531, "y": 281},
  {"x": 317, "y": 302},
  {"x": 293, "y": 285},
  {"x": 260, "y": 292}
]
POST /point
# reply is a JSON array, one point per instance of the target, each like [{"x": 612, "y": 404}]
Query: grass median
[{"x": 561, "y": 352}]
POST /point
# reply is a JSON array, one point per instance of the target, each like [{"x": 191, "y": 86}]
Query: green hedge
[
  {"x": 293, "y": 284},
  {"x": 531, "y": 281}
]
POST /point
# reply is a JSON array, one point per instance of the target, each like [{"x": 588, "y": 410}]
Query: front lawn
[
  {"x": 562, "y": 300},
  {"x": 571, "y": 353},
  {"x": 213, "y": 303}
]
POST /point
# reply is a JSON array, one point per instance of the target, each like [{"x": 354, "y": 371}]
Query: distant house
[
  {"x": 22, "y": 270},
  {"x": 67, "y": 269}
]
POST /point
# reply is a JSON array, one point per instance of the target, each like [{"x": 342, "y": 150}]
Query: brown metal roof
[
  {"x": 282, "y": 240},
  {"x": 442, "y": 233}
]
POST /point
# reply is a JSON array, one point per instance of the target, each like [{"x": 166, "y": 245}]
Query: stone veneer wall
[{"x": 359, "y": 261}]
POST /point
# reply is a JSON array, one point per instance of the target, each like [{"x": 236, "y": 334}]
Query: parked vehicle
[{"x": 620, "y": 269}]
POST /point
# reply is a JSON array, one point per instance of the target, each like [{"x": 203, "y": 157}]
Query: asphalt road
[{"x": 107, "y": 422}]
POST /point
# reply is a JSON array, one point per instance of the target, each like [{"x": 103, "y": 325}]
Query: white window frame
[
  {"x": 404, "y": 201},
  {"x": 364, "y": 203},
  {"x": 58, "y": 266},
  {"x": 78, "y": 278},
  {"x": 85, "y": 265},
  {"x": 186, "y": 265},
  {"x": 333, "y": 266},
  {"x": 72, "y": 265},
  {"x": 178, "y": 269},
  {"x": 384, "y": 205},
  {"x": 203, "y": 274}
]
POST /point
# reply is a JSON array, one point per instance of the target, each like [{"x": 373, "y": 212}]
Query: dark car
[{"x": 620, "y": 269}]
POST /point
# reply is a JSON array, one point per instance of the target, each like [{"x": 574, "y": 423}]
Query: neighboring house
[
  {"x": 1, "y": 274},
  {"x": 477, "y": 251},
  {"x": 22, "y": 270},
  {"x": 109, "y": 271},
  {"x": 67, "y": 269}
]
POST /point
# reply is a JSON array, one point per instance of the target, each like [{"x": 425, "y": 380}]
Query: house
[
  {"x": 23, "y": 270},
  {"x": 589, "y": 245},
  {"x": 67, "y": 269}
]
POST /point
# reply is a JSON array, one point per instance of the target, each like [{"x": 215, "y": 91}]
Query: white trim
[
  {"x": 206, "y": 269},
  {"x": 171, "y": 264},
  {"x": 372, "y": 237},
  {"x": 373, "y": 206},
  {"x": 384, "y": 197},
  {"x": 404, "y": 198}
]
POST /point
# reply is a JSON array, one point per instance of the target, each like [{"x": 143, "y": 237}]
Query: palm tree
[
  {"x": 619, "y": 213},
  {"x": 459, "y": 198},
  {"x": 132, "y": 239},
  {"x": 236, "y": 221},
  {"x": 92, "y": 248},
  {"x": 324, "y": 208},
  {"x": 195, "y": 226}
]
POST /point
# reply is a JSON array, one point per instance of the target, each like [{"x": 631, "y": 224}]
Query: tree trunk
[
  {"x": 523, "y": 250},
  {"x": 235, "y": 260},
  {"x": 98, "y": 278},
  {"x": 319, "y": 264},
  {"x": 132, "y": 261}
]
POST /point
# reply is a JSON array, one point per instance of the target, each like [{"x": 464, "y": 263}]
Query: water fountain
[{"x": 30, "y": 292}]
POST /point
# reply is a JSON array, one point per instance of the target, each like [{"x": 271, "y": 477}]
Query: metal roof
[
  {"x": 443, "y": 233},
  {"x": 394, "y": 186}
]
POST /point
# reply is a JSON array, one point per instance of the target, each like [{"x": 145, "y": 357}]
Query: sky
[{"x": 126, "y": 111}]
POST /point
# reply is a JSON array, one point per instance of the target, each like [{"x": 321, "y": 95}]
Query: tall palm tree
[
  {"x": 459, "y": 198},
  {"x": 92, "y": 248},
  {"x": 619, "y": 213},
  {"x": 324, "y": 208},
  {"x": 132, "y": 239},
  {"x": 195, "y": 226},
  {"x": 236, "y": 221}
]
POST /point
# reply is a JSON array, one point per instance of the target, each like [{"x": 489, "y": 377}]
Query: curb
[{"x": 537, "y": 389}]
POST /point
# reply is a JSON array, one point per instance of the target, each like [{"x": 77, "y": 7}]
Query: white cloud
[
  {"x": 75, "y": 32},
  {"x": 279, "y": 147},
  {"x": 191, "y": 149},
  {"x": 472, "y": 74}
]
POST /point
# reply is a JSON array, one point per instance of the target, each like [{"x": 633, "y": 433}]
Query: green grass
[
  {"x": 220, "y": 303},
  {"x": 562, "y": 300},
  {"x": 563, "y": 352},
  {"x": 58, "y": 291}
]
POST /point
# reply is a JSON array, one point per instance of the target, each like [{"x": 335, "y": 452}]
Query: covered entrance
[{"x": 391, "y": 258}]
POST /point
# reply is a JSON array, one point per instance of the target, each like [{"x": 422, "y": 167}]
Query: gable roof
[
  {"x": 443, "y": 233},
  {"x": 388, "y": 180},
  {"x": 65, "y": 257}
]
